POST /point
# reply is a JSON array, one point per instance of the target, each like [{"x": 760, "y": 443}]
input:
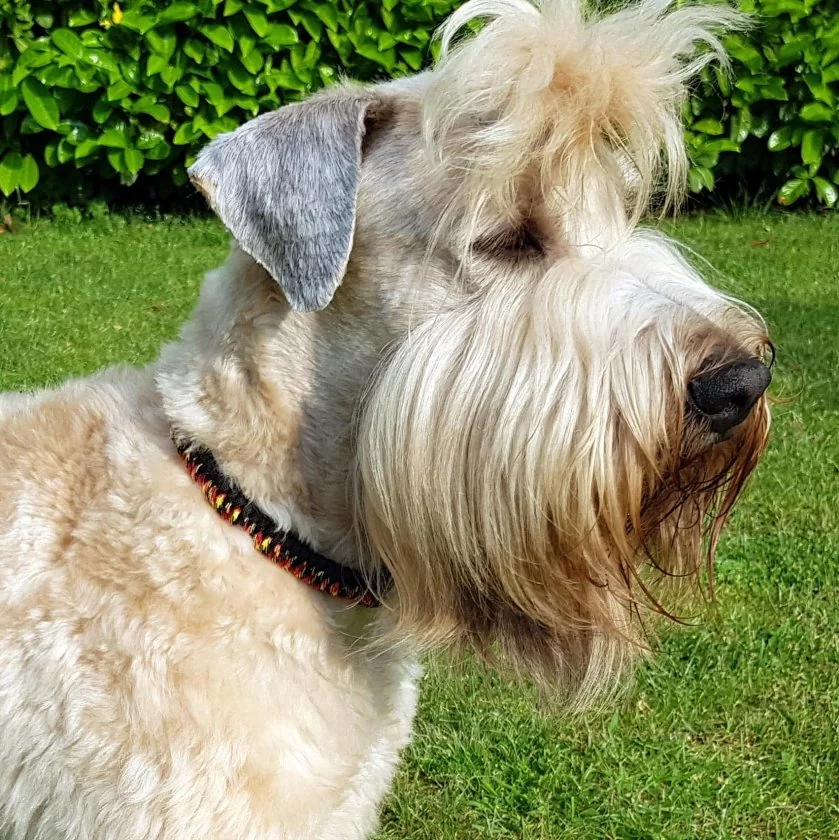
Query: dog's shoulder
[{"x": 146, "y": 646}]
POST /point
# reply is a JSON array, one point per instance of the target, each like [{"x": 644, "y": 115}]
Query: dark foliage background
[{"x": 98, "y": 100}]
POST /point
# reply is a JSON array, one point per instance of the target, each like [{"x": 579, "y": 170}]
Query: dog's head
[{"x": 552, "y": 404}]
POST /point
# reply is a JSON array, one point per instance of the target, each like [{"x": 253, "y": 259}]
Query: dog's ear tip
[
  {"x": 199, "y": 177},
  {"x": 306, "y": 306},
  {"x": 308, "y": 297}
]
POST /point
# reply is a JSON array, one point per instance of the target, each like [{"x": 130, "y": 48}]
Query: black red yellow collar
[{"x": 281, "y": 547}]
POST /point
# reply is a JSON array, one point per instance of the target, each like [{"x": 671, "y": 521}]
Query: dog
[{"x": 446, "y": 392}]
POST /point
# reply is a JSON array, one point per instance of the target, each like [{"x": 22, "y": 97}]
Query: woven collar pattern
[{"x": 281, "y": 547}]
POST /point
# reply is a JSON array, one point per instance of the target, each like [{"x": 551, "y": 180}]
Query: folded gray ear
[{"x": 285, "y": 186}]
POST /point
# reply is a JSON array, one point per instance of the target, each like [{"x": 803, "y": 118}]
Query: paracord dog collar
[{"x": 281, "y": 547}]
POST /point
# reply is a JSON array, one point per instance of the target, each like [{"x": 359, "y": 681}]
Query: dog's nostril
[{"x": 726, "y": 395}]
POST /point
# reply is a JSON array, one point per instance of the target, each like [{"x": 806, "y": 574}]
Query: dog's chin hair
[
  {"x": 521, "y": 478},
  {"x": 552, "y": 91},
  {"x": 687, "y": 510}
]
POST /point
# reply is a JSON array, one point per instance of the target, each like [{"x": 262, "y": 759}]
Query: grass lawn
[{"x": 733, "y": 729}]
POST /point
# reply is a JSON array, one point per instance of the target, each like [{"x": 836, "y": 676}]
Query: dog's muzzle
[{"x": 725, "y": 396}]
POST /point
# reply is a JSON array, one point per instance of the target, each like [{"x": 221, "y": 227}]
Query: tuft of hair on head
[{"x": 560, "y": 91}]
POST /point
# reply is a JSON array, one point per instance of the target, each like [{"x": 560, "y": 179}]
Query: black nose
[{"x": 726, "y": 395}]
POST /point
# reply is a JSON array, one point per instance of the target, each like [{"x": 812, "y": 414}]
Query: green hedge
[
  {"x": 91, "y": 93},
  {"x": 95, "y": 98},
  {"x": 773, "y": 126}
]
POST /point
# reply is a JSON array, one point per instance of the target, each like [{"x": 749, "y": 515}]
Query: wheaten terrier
[{"x": 445, "y": 382}]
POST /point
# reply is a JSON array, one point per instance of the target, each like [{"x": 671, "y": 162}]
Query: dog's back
[{"x": 12, "y": 402}]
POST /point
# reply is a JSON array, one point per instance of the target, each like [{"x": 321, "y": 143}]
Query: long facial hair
[
  {"x": 527, "y": 484},
  {"x": 527, "y": 466}
]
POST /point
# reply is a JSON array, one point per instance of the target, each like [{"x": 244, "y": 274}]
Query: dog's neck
[{"x": 269, "y": 393}]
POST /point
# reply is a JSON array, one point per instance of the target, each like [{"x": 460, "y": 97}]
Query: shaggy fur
[{"x": 443, "y": 345}]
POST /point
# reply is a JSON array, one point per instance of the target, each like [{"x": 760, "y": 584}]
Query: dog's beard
[{"x": 525, "y": 462}]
